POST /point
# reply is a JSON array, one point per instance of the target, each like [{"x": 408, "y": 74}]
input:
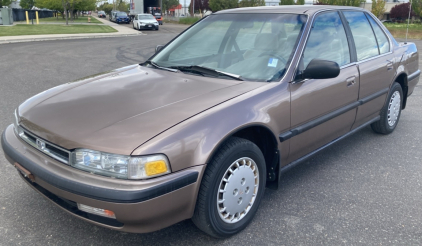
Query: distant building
[
  {"x": 15, "y": 5},
  {"x": 272, "y": 2},
  {"x": 177, "y": 11}
]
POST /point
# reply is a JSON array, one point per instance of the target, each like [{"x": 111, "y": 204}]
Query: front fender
[{"x": 193, "y": 141}]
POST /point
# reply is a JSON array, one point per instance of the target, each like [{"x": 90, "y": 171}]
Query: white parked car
[{"x": 145, "y": 21}]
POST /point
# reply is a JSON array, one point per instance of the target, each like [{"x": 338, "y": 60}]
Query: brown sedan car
[{"x": 213, "y": 118}]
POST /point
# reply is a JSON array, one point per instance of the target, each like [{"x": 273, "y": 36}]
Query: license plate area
[{"x": 24, "y": 172}]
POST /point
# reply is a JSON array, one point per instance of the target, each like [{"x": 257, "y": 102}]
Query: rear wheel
[
  {"x": 231, "y": 189},
  {"x": 390, "y": 113}
]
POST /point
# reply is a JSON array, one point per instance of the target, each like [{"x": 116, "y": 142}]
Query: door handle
[
  {"x": 351, "y": 81},
  {"x": 389, "y": 65}
]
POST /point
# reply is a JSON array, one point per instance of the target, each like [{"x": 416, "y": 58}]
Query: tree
[
  {"x": 216, "y": 5},
  {"x": 27, "y": 4},
  {"x": 378, "y": 8},
  {"x": 251, "y": 3},
  {"x": 5, "y": 3},
  {"x": 354, "y": 3},
  {"x": 169, "y": 4},
  {"x": 401, "y": 11},
  {"x": 417, "y": 7},
  {"x": 300, "y": 2},
  {"x": 106, "y": 7},
  {"x": 51, "y": 4},
  {"x": 287, "y": 2},
  {"x": 122, "y": 6},
  {"x": 201, "y": 5}
]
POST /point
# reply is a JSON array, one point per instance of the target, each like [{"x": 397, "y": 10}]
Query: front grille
[{"x": 45, "y": 147}]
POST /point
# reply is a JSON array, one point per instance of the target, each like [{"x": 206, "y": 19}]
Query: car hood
[{"x": 118, "y": 111}]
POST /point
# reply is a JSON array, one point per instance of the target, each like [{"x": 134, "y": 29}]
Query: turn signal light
[
  {"x": 155, "y": 167},
  {"x": 97, "y": 211}
]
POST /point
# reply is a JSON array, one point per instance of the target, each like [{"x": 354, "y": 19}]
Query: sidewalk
[{"x": 122, "y": 31}]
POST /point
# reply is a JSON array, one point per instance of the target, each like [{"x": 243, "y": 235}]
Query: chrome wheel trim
[
  {"x": 238, "y": 190},
  {"x": 393, "y": 108}
]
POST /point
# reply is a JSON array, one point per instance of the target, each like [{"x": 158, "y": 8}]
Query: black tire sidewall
[{"x": 222, "y": 228}]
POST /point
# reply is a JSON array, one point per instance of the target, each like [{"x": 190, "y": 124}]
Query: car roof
[{"x": 297, "y": 9}]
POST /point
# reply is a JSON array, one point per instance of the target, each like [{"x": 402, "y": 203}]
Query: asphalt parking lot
[{"x": 365, "y": 190}]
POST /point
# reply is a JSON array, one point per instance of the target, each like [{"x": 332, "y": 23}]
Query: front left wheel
[{"x": 232, "y": 189}]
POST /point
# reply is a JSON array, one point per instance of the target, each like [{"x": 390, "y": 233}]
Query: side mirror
[
  {"x": 321, "y": 69},
  {"x": 158, "y": 48}
]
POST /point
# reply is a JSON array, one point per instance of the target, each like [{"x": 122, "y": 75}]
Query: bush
[
  {"x": 188, "y": 20},
  {"x": 401, "y": 11}
]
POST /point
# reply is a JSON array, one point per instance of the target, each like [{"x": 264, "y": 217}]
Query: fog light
[{"x": 97, "y": 211}]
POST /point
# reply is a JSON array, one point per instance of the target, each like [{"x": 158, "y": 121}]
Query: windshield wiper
[
  {"x": 207, "y": 71},
  {"x": 149, "y": 62}
]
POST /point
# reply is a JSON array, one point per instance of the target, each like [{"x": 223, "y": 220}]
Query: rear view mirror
[
  {"x": 321, "y": 69},
  {"x": 158, "y": 48}
]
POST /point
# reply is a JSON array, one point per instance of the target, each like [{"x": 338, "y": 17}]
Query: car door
[
  {"x": 319, "y": 107},
  {"x": 375, "y": 63}
]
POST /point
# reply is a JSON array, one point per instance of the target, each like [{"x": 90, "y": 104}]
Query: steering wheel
[{"x": 274, "y": 55}]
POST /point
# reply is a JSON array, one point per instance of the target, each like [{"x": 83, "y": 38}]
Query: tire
[
  {"x": 207, "y": 216},
  {"x": 157, "y": 28},
  {"x": 390, "y": 113}
]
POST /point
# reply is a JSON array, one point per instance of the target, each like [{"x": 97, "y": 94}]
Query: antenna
[{"x": 408, "y": 20}]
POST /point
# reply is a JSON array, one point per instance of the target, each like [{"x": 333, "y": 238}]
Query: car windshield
[
  {"x": 254, "y": 47},
  {"x": 100, "y": 12},
  {"x": 146, "y": 17},
  {"x": 121, "y": 14}
]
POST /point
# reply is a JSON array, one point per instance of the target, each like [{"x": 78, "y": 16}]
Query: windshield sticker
[{"x": 272, "y": 62}]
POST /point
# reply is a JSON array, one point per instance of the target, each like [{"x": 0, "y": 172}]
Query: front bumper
[
  {"x": 148, "y": 26},
  {"x": 139, "y": 206},
  {"x": 123, "y": 21}
]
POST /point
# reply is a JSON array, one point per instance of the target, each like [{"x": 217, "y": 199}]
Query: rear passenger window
[
  {"x": 366, "y": 45},
  {"x": 327, "y": 40},
  {"x": 382, "y": 39}
]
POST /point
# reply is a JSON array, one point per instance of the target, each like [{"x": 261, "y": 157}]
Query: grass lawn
[
  {"x": 23, "y": 29},
  {"x": 188, "y": 20},
  {"x": 183, "y": 20},
  {"x": 398, "y": 30},
  {"x": 81, "y": 19}
]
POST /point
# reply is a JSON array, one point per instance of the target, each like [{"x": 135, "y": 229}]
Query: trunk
[
  {"x": 72, "y": 14},
  {"x": 64, "y": 3}
]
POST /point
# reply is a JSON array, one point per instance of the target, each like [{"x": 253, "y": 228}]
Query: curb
[{"x": 66, "y": 38}]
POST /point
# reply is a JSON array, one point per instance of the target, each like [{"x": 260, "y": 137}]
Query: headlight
[{"x": 120, "y": 166}]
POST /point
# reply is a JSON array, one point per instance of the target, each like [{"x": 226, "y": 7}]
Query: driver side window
[{"x": 327, "y": 41}]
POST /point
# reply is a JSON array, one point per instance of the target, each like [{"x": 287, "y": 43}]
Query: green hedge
[{"x": 188, "y": 20}]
